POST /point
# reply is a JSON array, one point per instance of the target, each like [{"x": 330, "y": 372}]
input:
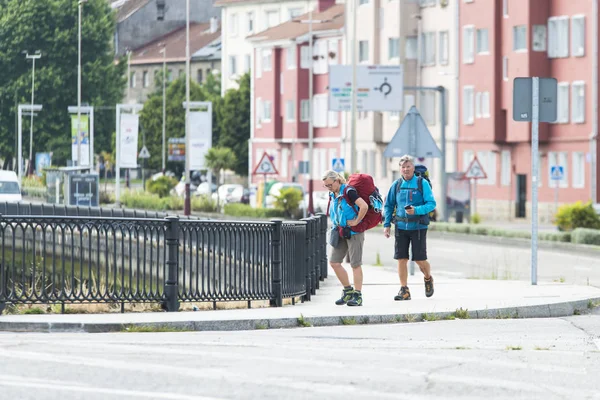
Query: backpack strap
[
  {"x": 345, "y": 194},
  {"x": 328, "y": 204},
  {"x": 420, "y": 184}
]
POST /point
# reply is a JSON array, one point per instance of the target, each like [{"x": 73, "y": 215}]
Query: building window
[
  {"x": 199, "y": 75},
  {"x": 482, "y": 41},
  {"x": 250, "y": 19},
  {"x": 285, "y": 158},
  {"x": 361, "y": 2},
  {"x": 384, "y": 166},
  {"x": 363, "y": 51},
  {"x": 393, "y": 48},
  {"x": 294, "y": 12},
  {"x": 427, "y": 3},
  {"x": 427, "y": 106},
  {"x": 266, "y": 60},
  {"x": 304, "y": 110},
  {"x": 333, "y": 119},
  {"x": 290, "y": 110},
  {"x": 444, "y": 47},
  {"x": 505, "y": 168},
  {"x": 247, "y": 63},
  {"x": 478, "y": 105},
  {"x": 428, "y": 53},
  {"x": 578, "y": 100},
  {"x": 290, "y": 57},
  {"x": 488, "y": 162},
  {"x": 558, "y": 37},
  {"x": 505, "y": 8},
  {"x": 505, "y": 68},
  {"x": 232, "y": 65},
  {"x": 520, "y": 38},
  {"x": 132, "y": 80},
  {"x": 272, "y": 18},
  {"x": 304, "y": 57},
  {"x": 468, "y": 44},
  {"x": 320, "y": 111},
  {"x": 233, "y": 23},
  {"x": 146, "y": 79},
  {"x": 320, "y": 48},
  {"x": 266, "y": 111},
  {"x": 562, "y": 103},
  {"x": 333, "y": 46},
  {"x": 410, "y": 48},
  {"x": 259, "y": 112},
  {"x": 578, "y": 170},
  {"x": 468, "y": 105},
  {"x": 539, "y": 38},
  {"x": 170, "y": 75},
  {"x": 485, "y": 104},
  {"x": 578, "y": 35}
]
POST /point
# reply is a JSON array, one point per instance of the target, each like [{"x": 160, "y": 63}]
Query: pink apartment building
[
  {"x": 281, "y": 93},
  {"x": 504, "y": 39}
]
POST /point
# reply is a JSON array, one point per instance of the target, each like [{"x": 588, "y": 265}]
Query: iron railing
[{"x": 76, "y": 259}]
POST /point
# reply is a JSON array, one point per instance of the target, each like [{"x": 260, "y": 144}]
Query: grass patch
[
  {"x": 461, "y": 314},
  {"x": 514, "y": 348},
  {"x": 541, "y": 348},
  {"x": 152, "y": 328},
  {"x": 378, "y": 260},
  {"x": 261, "y": 326},
  {"x": 34, "y": 310},
  {"x": 462, "y": 348},
  {"x": 430, "y": 317},
  {"x": 348, "y": 321},
  {"x": 303, "y": 323}
]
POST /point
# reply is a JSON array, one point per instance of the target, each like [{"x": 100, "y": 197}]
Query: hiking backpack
[
  {"x": 421, "y": 172},
  {"x": 366, "y": 189}
]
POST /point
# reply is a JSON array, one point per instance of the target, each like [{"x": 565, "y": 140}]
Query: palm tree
[{"x": 219, "y": 159}]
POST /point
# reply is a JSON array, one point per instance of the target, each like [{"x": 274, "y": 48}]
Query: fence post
[
  {"x": 277, "y": 273},
  {"x": 306, "y": 246},
  {"x": 172, "y": 243},
  {"x": 323, "y": 243},
  {"x": 313, "y": 259}
]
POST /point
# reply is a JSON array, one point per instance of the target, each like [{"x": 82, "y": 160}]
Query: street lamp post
[
  {"x": 187, "y": 204},
  {"x": 353, "y": 112},
  {"x": 32, "y": 57},
  {"x": 80, "y": 6},
  {"x": 164, "y": 110}
]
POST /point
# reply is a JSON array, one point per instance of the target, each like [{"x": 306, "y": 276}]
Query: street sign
[
  {"x": 379, "y": 87},
  {"x": 557, "y": 172},
  {"x": 475, "y": 170},
  {"x": 265, "y": 166},
  {"x": 522, "y": 99},
  {"x": 338, "y": 165},
  {"x": 144, "y": 153},
  {"x": 413, "y": 137},
  {"x": 82, "y": 190}
]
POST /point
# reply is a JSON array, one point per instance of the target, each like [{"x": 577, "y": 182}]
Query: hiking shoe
[
  {"x": 346, "y": 296},
  {"x": 356, "y": 299},
  {"x": 403, "y": 294},
  {"x": 429, "y": 286}
]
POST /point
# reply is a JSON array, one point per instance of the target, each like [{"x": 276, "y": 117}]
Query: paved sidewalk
[{"x": 482, "y": 299}]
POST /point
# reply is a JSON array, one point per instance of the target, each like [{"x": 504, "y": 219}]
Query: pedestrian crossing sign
[
  {"x": 338, "y": 165},
  {"x": 557, "y": 172}
]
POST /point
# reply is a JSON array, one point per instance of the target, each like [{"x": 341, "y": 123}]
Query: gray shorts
[{"x": 353, "y": 247}]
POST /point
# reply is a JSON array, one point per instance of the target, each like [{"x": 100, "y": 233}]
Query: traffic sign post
[
  {"x": 475, "y": 172},
  {"x": 534, "y": 99},
  {"x": 557, "y": 172},
  {"x": 265, "y": 167}
]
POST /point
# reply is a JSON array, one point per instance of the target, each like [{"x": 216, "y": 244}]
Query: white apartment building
[
  {"x": 435, "y": 48},
  {"x": 242, "y": 18}
]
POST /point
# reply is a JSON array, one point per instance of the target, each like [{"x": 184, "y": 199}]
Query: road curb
[
  {"x": 518, "y": 242},
  {"x": 563, "y": 309}
]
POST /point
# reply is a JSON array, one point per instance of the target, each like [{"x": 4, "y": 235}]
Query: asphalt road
[
  {"x": 467, "y": 259},
  {"x": 462, "y": 359}
]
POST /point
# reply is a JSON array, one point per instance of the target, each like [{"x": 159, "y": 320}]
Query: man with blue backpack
[{"x": 409, "y": 204}]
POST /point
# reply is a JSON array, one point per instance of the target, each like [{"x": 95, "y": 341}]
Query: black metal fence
[{"x": 76, "y": 259}]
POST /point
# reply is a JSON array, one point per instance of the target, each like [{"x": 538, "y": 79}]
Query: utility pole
[{"x": 32, "y": 57}]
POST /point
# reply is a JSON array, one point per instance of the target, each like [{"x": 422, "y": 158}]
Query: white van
[{"x": 10, "y": 191}]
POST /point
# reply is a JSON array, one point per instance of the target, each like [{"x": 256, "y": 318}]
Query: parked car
[
  {"x": 10, "y": 191},
  {"x": 229, "y": 193}
]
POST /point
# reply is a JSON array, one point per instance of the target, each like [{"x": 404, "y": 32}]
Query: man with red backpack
[
  {"x": 346, "y": 210},
  {"x": 408, "y": 204}
]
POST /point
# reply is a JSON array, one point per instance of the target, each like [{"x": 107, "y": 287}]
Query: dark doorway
[{"x": 521, "y": 196}]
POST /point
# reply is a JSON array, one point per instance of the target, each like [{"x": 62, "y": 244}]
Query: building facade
[
  {"x": 524, "y": 38},
  {"x": 146, "y": 62}
]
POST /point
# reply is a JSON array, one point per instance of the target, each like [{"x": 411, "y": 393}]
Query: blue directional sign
[
  {"x": 557, "y": 172},
  {"x": 338, "y": 165},
  {"x": 412, "y": 138}
]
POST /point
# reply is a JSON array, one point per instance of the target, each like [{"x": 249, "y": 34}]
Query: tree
[
  {"x": 235, "y": 123},
  {"x": 151, "y": 119},
  {"x": 219, "y": 159},
  {"x": 51, "y": 27}
]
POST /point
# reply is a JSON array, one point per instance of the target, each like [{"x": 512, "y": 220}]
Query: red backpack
[{"x": 366, "y": 189}]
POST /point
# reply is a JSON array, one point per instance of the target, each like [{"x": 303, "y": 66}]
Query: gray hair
[
  {"x": 330, "y": 174},
  {"x": 406, "y": 158}
]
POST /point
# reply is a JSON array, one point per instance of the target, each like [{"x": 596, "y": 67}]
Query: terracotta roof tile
[
  {"x": 292, "y": 29},
  {"x": 200, "y": 37}
]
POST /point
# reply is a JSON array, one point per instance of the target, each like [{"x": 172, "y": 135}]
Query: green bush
[
  {"x": 161, "y": 186},
  {"x": 145, "y": 201},
  {"x": 288, "y": 201},
  {"x": 555, "y": 236},
  {"x": 577, "y": 215},
  {"x": 586, "y": 236},
  {"x": 203, "y": 204},
  {"x": 244, "y": 210},
  {"x": 32, "y": 181},
  {"x": 475, "y": 218}
]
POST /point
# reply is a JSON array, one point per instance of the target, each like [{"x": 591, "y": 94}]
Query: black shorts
[{"x": 418, "y": 239}]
